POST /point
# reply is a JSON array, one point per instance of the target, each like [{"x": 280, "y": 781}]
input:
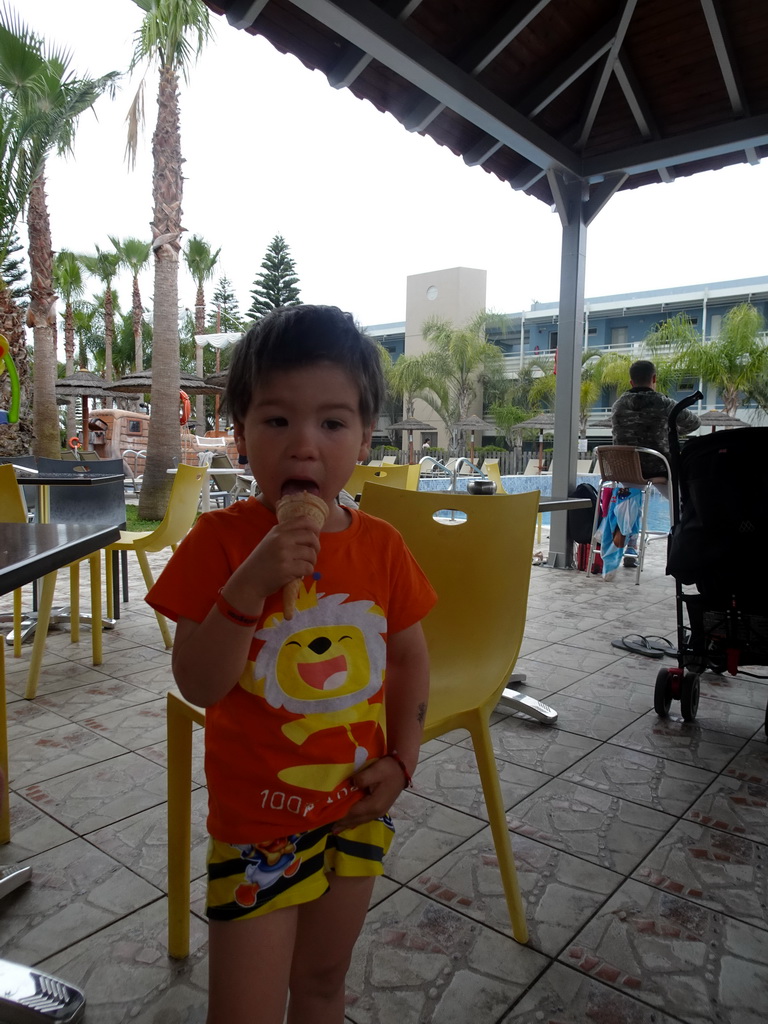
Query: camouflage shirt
[{"x": 640, "y": 416}]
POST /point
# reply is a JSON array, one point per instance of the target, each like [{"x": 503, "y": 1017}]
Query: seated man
[{"x": 640, "y": 417}]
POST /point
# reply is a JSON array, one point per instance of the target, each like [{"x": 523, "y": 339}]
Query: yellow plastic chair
[
  {"x": 13, "y": 510},
  {"x": 480, "y": 569},
  {"x": 177, "y": 522},
  {"x": 391, "y": 476},
  {"x": 491, "y": 469},
  {"x": 467, "y": 676}
]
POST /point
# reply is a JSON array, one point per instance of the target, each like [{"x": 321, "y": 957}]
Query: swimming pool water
[{"x": 658, "y": 508}]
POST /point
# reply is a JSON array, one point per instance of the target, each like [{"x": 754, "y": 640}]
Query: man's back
[{"x": 640, "y": 417}]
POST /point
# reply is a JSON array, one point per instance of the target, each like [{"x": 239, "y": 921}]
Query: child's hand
[
  {"x": 288, "y": 552},
  {"x": 381, "y": 783}
]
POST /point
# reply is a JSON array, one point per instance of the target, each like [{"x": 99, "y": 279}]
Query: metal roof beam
[
  {"x": 387, "y": 41},
  {"x": 567, "y": 72},
  {"x": 598, "y": 92},
  {"x": 724, "y": 54},
  {"x": 704, "y": 144},
  {"x": 633, "y": 94},
  {"x": 479, "y": 56},
  {"x": 354, "y": 60}
]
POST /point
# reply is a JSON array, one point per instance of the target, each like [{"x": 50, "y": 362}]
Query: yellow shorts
[{"x": 247, "y": 880}]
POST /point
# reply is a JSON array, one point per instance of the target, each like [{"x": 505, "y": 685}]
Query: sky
[{"x": 270, "y": 148}]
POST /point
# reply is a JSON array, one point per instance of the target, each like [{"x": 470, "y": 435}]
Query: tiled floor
[{"x": 641, "y": 844}]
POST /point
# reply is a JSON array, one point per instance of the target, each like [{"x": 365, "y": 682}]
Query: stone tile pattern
[{"x": 641, "y": 845}]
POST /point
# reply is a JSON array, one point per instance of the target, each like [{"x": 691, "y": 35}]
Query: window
[{"x": 619, "y": 337}]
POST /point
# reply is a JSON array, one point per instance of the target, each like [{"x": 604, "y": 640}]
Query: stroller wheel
[
  {"x": 662, "y": 695},
  {"x": 689, "y": 697}
]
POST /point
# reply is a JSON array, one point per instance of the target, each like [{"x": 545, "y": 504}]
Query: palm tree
[
  {"x": 171, "y": 35},
  {"x": 134, "y": 255},
  {"x": 735, "y": 362},
  {"x": 459, "y": 363},
  {"x": 40, "y": 102},
  {"x": 83, "y": 317},
  {"x": 68, "y": 280},
  {"x": 35, "y": 78},
  {"x": 105, "y": 265},
  {"x": 200, "y": 260}
]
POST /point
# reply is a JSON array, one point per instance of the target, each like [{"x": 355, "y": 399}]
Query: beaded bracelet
[
  {"x": 408, "y": 784},
  {"x": 239, "y": 618}
]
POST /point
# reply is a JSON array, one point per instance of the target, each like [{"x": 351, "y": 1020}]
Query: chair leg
[
  {"x": 179, "y": 812},
  {"x": 74, "y": 602},
  {"x": 17, "y": 596},
  {"x": 643, "y": 535},
  {"x": 489, "y": 778},
  {"x": 96, "y": 615},
  {"x": 5, "y": 792},
  {"x": 149, "y": 580},
  {"x": 109, "y": 581},
  {"x": 45, "y": 604}
]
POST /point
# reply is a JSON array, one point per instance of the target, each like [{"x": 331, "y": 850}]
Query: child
[{"x": 303, "y": 756}]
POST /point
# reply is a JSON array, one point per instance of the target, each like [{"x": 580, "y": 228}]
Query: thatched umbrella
[
  {"x": 474, "y": 423},
  {"x": 544, "y": 422},
  {"x": 717, "y": 418},
  {"x": 218, "y": 379},
  {"x": 84, "y": 384},
  {"x": 410, "y": 424},
  {"x": 140, "y": 382}
]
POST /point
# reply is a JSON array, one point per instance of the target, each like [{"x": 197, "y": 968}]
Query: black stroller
[{"x": 717, "y": 544}]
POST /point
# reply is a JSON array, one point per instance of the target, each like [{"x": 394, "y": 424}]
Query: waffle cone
[{"x": 294, "y": 506}]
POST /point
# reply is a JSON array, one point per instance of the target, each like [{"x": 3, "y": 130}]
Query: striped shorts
[{"x": 247, "y": 880}]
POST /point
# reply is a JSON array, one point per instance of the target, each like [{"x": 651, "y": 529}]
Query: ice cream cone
[{"x": 294, "y": 506}]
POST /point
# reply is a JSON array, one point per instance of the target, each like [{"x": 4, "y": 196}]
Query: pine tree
[
  {"x": 223, "y": 311},
  {"x": 14, "y": 273},
  {"x": 276, "y": 285}
]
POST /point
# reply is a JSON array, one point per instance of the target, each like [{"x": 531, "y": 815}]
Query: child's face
[{"x": 303, "y": 431}]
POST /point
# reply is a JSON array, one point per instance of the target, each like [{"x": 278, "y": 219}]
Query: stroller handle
[
  {"x": 674, "y": 452},
  {"x": 684, "y": 403}
]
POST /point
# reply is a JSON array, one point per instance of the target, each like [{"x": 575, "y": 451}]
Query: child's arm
[
  {"x": 209, "y": 656},
  {"x": 407, "y": 691}
]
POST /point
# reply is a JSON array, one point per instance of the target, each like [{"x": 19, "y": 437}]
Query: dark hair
[
  {"x": 642, "y": 373},
  {"x": 296, "y": 336}
]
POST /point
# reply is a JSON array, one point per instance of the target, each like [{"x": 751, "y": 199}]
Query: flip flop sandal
[
  {"x": 661, "y": 643},
  {"x": 636, "y": 644}
]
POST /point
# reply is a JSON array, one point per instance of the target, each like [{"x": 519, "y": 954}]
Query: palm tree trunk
[
  {"x": 164, "y": 442},
  {"x": 15, "y": 438},
  {"x": 137, "y": 313},
  {"x": 41, "y": 317},
  {"x": 69, "y": 355}
]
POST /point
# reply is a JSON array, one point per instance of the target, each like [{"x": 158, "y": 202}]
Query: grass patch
[{"x": 135, "y": 523}]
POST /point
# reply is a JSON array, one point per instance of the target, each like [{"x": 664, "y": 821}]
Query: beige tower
[{"x": 455, "y": 295}]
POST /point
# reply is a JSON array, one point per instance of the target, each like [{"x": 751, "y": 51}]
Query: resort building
[{"x": 618, "y": 323}]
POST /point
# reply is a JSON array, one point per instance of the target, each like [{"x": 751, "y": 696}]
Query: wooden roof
[{"x": 617, "y": 93}]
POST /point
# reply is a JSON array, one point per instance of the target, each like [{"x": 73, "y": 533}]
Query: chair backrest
[
  {"x": 12, "y": 506},
  {"x": 388, "y": 460},
  {"x": 532, "y": 468},
  {"x": 390, "y": 476},
  {"x": 491, "y": 469},
  {"x": 223, "y": 483},
  {"x": 181, "y": 511},
  {"x": 98, "y": 505},
  {"x": 621, "y": 464},
  {"x": 28, "y": 462},
  {"x": 69, "y": 456},
  {"x": 480, "y": 568}
]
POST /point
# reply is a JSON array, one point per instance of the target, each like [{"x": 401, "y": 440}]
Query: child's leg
[
  {"x": 327, "y": 930},
  {"x": 249, "y": 965}
]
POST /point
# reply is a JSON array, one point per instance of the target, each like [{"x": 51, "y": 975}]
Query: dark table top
[
  {"x": 66, "y": 479},
  {"x": 28, "y": 551}
]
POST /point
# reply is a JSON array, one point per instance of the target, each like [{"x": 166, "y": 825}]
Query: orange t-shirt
[{"x": 306, "y": 713}]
